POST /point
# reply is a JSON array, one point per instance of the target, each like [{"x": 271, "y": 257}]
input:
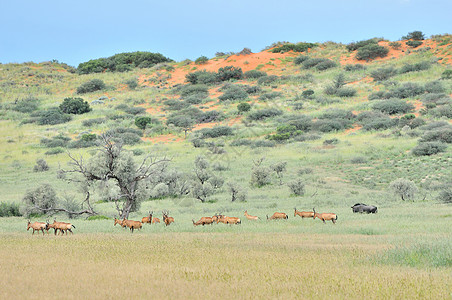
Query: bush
[
  {"x": 345, "y": 92},
  {"x": 404, "y": 188},
  {"x": 297, "y": 187},
  {"x": 57, "y": 141},
  {"x": 421, "y": 66},
  {"x": 254, "y": 74},
  {"x": 326, "y": 64},
  {"x": 407, "y": 90},
  {"x": 354, "y": 67},
  {"x": 27, "y": 105},
  {"x": 381, "y": 74},
  {"x": 381, "y": 123},
  {"x": 85, "y": 141},
  {"x": 329, "y": 125},
  {"x": 260, "y": 176},
  {"x": 435, "y": 87},
  {"x": 127, "y": 136},
  {"x": 75, "y": 106},
  {"x": 428, "y": 148},
  {"x": 415, "y": 35},
  {"x": 43, "y": 197},
  {"x": 371, "y": 51},
  {"x": 414, "y": 44},
  {"x": 230, "y": 72},
  {"x": 443, "y": 135},
  {"x": 308, "y": 94},
  {"x": 299, "y": 47},
  {"x": 41, "y": 166},
  {"x": 9, "y": 210},
  {"x": 395, "y": 45},
  {"x": 237, "y": 192},
  {"x": 267, "y": 80},
  {"x": 92, "y": 122},
  {"x": 445, "y": 195},
  {"x": 243, "y": 107},
  {"x": 301, "y": 122},
  {"x": 196, "y": 89},
  {"x": 135, "y": 110},
  {"x": 54, "y": 151},
  {"x": 195, "y": 99},
  {"x": 173, "y": 104},
  {"x": 252, "y": 89},
  {"x": 91, "y": 86},
  {"x": 319, "y": 63},
  {"x": 132, "y": 83},
  {"x": 143, "y": 122},
  {"x": 300, "y": 59},
  {"x": 442, "y": 111},
  {"x": 393, "y": 106},
  {"x": 263, "y": 144},
  {"x": 52, "y": 116},
  {"x": 201, "y": 60},
  {"x": 215, "y": 132},
  {"x": 447, "y": 74},
  {"x": 202, "y": 77},
  {"x": 269, "y": 96},
  {"x": 356, "y": 45},
  {"x": 234, "y": 93},
  {"x": 264, "y": 114}
]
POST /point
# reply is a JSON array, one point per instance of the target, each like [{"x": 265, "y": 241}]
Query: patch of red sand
[
  {"x": 354, "y": 129},
  {"x": 167, "y": 138}
]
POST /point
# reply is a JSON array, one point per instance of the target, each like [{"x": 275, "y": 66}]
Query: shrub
[
  {"x": 241, "y": 142},
  {"x": 57, "y": 141},
  {"x": 85, "y": 141},
  {"x": 308, "y": 94},
  {"x": 298, "y": 47},
  {"x": 254, "y": 74},
  {"x": 75, "y": 106},
  {"x": 243, "y": 107},
  {"x": 201, "y": 60},
  {"x": 264, "y": 114},
  {"x": 54, "y": 151},
  {"x": 326, "y": 64},
  {"x": 195, "y": 98},
  {"x": 234, "y": 93},
  {"x": 237, "y": 191},
  {"x": 196, "y": 89},
  {"x": 263, "y": 144},
  {"x": 358, "y": 160},
  {"x": 267, "y": 80},
  {"x": 91, "y": 86},
  {"x": 421, "y": 66},
  {"x": 215, "y": 132},
  {"x": 335, "y": 113},
  {"x": 333, "y": 141},
  {"x": 329, "y": 125},
  {"x": 447, "y": 74},
  {"x": 445, "y": 195},
  {"x": 345, "y": 92},
  {"x": 414, "y": 44},
  {"x": 9, "y": 210},
  {"x": 435, "y": 87},
  {"x": 127, "y": 136},
  {"x": 300, "y": 59},
  {"x": 356, "y": 45},
  {"x": 297, "y": 187},
  {"x": 210, "y": 116},
  {"x": 252, "y": 89},
  {"x": 428, "y": 148},
  {"x": 404, "y": 188},
  {"x": 230, "y": 72},
  {"x": 27, "y": 105},
  {"x": 52, "y": 116},
  {"x": 43, "y": 197},
  {"x": 371, "y": 51},
  {"x": 300, "y": 122},
  {"x": 202, "y": 77},
  {"x": 41, "y": 166},
  {"x": 143, "y": 122},
  {"x": 132, "y": 83},
  {"x": 172, "y": 104},
  {"x": 393, "y": 106},
  {"x": 415, "y": 35},
  {"x": 319, "y": 63},
  {"x": 443, "y": 135},
  {"x": 269, "y": 96},
  {"x": 381, "y": 123},
  {"x": 260, "y": 176},
  {"x": 406, "y": 90},
  {"x": 135, "y": 110},
  {"x": 442, "y": 111},
  {"x": 92, "y": 122},
  {"x": 395, "y": 45},
  {"x": 381, "y": 74},
  {"x": 354, "y": 67}
]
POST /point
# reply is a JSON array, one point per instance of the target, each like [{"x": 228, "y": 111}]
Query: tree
[
  {"x": 142, "y": 122},
  {"x": 404, "y": 188},
  {"x": 237, "y": 191},
  {"x": 76, "y": 106},
  {"x": 279, "y": 168},
  {"x": 415, "y": 35},
  {"x": 205, "y": 183},
  {"x": 124, "y": 180}
]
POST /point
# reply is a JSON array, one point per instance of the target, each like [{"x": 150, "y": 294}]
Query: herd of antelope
[{"x": 63, "y": 227}]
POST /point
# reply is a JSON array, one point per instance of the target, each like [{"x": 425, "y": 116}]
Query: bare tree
[{"x": 112, "y": 166}]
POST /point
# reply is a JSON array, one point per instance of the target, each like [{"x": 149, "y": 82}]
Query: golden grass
[{"x": 194, "y": 265}]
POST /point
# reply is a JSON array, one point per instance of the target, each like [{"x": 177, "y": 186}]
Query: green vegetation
[{"x": 298, "y": 47}]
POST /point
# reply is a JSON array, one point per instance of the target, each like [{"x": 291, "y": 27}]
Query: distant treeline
[{"x": 122, "y": 62}]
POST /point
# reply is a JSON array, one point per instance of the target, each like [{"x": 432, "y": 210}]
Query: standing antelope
[
  {"x": 303, "y": 214},
  {"x": 37, "y": 226},
  {"x": 119, "y": 222},
  {"x": 325, "y": 217},
  {"x": 233, "y": 220},
  {"x": 61, "y": 226},
  {"x": 250, "y": 217},
  {"x": 278, "y": 215},
  {"x": 147, "y": 219},
  {"x": 132, "y": 224},
  {"x": 167, "y": 220},
  {"x": 155, "y": 220}
]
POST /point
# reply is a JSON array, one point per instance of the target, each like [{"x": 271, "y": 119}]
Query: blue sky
[{"x": 76, "y": 31}]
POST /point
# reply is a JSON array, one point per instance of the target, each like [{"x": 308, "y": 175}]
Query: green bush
[
  {"x": 254, "y": 74},
  {"x": 428, "y": 148},
  {"x": 395, "y": 45},
  {"x": 41, "y": 166},
  {"x": 270, "y": 96},
  {"x": 345, "y": 92},
  {"x": 393, "y": 106},
  {"x": 263, "y": 144},
  {"x": 215, "y": 132},
  {"x": 181, "y": 121},
  {"x": 300, "y": 59},
  {"x": 421, "y": 66},
  {"x": 196, "y": 89},
  {"x": 9, "y": 210},
  {"x": 415, "y": 35},
  {"x": 230, "y": 72},
  {"x": 252, "y": 89},
  {"x": 263, "y": 114},
  {"x": 54, "y": 151},
  {"x": 445, "y": 195},
  {"x": 173, "y": 104},
  {"x": 447, "y": 74},
  {"x": 195, "y": 98},
  {"x": 243, "y": 107},
  {"x": 43, "y": 197},
  {"x": 435, "y": 87},
  {"x": 241, "y": 142},
  {"x": 86, "y": 140},
  {"x": 126, "y": 136},
  {"x": 132, "y": 83},
  {"x": 297, "y": 187},
  {"x": 381, "y": 74},
  {"x": 319, "y": 63},
  {"x": 267, "y": 80},
  {"x": 57, "y": 141},
  {"x": 443, "y": 135},
  {"x": 356, "y": 45},
  {"x": 442, "y": 111},
  {"x": 329, "y": 125},
  {"x": 414, "y": 44},
  {"x": 354, "y": 67},
  {"x": 76, "y": 106},
  {"x": 51, "y": 116},
  {"x": 371, "y": 51},
  {"x": 27, "y": 105},
  {"x": 144, "y": 122},
  {"x": 234, "y": 93},
  {"x": 382, "y": 123},
  {"x": 301, "y": 122},
  {"x": 202, "y": 77},
  {"x": 298, "y": 47},
  {"x": 135, "y": 110},
  {"x": 201, "y": 60},
  {"x": 91, "y": 86},
  {"x": 308, "y": 94},
  {"x": 406, "y": 90}
]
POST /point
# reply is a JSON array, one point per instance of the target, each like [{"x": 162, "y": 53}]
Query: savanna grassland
[{"x": 323, "y": 130}]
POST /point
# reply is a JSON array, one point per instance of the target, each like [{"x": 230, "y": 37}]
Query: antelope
[
  {"x": 250, "y": 217},
  {"x": 65, "y": 227},
  {"x": 233, "y": 220},
  {"x": 167, "y": 220},
  {"x": 203, "y": 221},
  {"x": 303, "y": 214},
  {"x": 37, "y": 226},
  {"x": 278, "y": 215},
  {"x": 147, "y": 219},
  {"x": 119, "y": 222},
  {"x": 325, "y": 217},
  {"x": 220, "y": 218},
  {"x": 155, "y": 220},
  {"x": 132, "y": 224}
]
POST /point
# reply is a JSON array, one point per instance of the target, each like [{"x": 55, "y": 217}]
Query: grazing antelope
[
  {"x": 117, "y": 221},
  {"x": 233, "y": 220},
  {"x": 278, "y": 215},
  {"x": 155, "y": 220},
  {"x": 220, "y": 218},
  {"x": 147, "y": 219},
  {"x": 325, "y": 217},
  {"x": 167, "y": 220},
  {"x": 303, "y": 214},
  {"x": 250, "y": 217},
  {"x": 132, "y": 224},
  {"x": 37, "y": 226},
  {"x": 203, "y": 221}
]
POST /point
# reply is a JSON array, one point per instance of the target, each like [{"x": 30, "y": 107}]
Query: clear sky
[{"x": 77, "y": 31}]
